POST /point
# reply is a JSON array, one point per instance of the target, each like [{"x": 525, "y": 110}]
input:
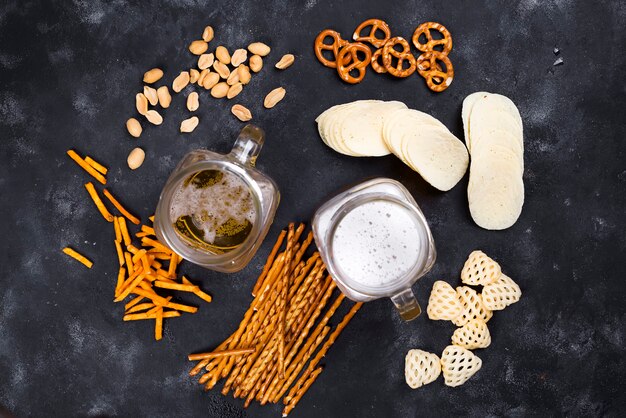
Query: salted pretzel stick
[
  {"x": 302, "y": 249},
  {"x": 213, "y": 354},
  {"x": 121, "y": 208},
  {"x": 282, "y": 318},
  {"x": 196, "y": 369},
  {"x": 99, "y": 167},
  {"x": 85, "y": 166},
  {"x": 288, "y": 408},
  {"x": 96, "y": 199},
  {"x": 322, "y": 352},
  {"x": 318, "y": 263},
  {"x": 298, "y": 308},
  {"x": 269, "y": 262}
]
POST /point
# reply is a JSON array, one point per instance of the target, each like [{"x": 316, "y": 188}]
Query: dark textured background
[{"x": 68, "y": 75}]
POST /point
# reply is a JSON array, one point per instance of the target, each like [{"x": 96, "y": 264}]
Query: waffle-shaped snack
[
  {"x": 473, "y": 307},
  {"x": 458, "y": 365},
  {"x": 472, "y": 335},
  {"x": 443, "y": 303},
  {"x": 500, "y": 294},
  {"x": 480, "y": 269},
  {"x": 421, "y": 368}
]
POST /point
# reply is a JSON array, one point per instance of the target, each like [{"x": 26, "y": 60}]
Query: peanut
[
  {"x": 154, "y": 117},
  {"x": 241, "y": 112},
  {"x": 141, "y": 103},
  {"x": 134, "y": 127},
  {"x": 181, "y": 81},
  {"x": 221, "y": 69},
  {"x": 256, "y": 63},
  {"x": 244, "y": 74},
  {"x": 273, "y": 97},
  {"x": 211, "y": 80},
  {"x": 194, "y": 75},
  {"x": 135, "y": 158},
  {"x": 164, "y": 97},
  {"x": 193, "y": 102},
  {"x": 234, "y": 90},
  {"x": 205, "y": 61},
  {"x": 239, "y": 57},
  {"x": 152, "y": 75},
  {"x": 198, "y": 47},
  {"x": 203, "y": 74},
  {"x": 207, "y": 35},
  {"x": 233, "y": 78},
  {"x": 259, "y": 48},
  {"x": 220, "y": 90},
  {"x": 221, "y": 53},
  {"x": 151, "y": 95},
  {"x": 285, "y": 61},
  {"x": 188, "y": 125}
]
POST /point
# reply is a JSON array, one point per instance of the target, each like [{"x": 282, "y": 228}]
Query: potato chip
[
  {"x": 421, "y": 368},
  {"x": 480, "y": 270},
  {"x": 458, "y": 365},
  {"x": 473, "y": 307},
  {"x": 472, "y": 335},
  {"x": 443, "y": 303},
  {"x": 500, "y": 294}
]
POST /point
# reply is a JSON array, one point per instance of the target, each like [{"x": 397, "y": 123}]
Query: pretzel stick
[
  {"x": 196, "y": 369},
  {"x": 85, "y": 166},
  {"x": 121, "y": 208},
  {"x": 283, "y": 300},
  {"x": 317, "y": 263},
  {"x": 288, "y": 408},
  {"x": 269, "y": 262},
  {"x": 302, "y": 249},
  {"x": 322, "y": 352},
  {"x": 96, "y": 199}
]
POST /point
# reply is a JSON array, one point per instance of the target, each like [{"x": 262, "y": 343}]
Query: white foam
[{"x": 377, "y": 243}]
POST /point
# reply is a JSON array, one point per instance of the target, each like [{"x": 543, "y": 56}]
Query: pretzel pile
[
  {"x": 284, "y": 334},
  {"x": 390, "y": 55}
]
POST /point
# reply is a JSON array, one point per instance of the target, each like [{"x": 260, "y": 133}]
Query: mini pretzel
[
  {"x": 424, "y": 29},
  {"x": 405, "y": 55},
  {"x": 376, "y": 25},
  {"x": 348, "y": 60},
  {"x": 320, "y": 46},
  {"x": 377, "y": 65},
  {"x": 428, "y": 67}
]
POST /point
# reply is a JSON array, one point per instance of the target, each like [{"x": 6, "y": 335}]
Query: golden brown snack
[
  {"x": 376, "y": 25},
  {"x": 438, "y": 77},
  {"x": 348, "y": 60},
  {"x": 431, "y": 44},
  {"x": 335, "y": 46},
  {"x": 390, "y": 52}
]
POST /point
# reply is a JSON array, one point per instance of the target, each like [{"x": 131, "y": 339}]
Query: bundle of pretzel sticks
[{"x": 285, "y": 327}]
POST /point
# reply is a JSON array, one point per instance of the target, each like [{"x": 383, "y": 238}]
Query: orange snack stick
[
  {"x": 158, "y": 325},
  {"x": 148, "y": 242},
  {"x": 85, "y": 166},
  {"x": 124, "y": 231},
  {"x": 140, "y": 316},
  {"x": 78, "y": 257},
  {"x": 99, "y": 167},
  {"x": 133, "y": 302},
  {"x": 121, "y": 208},
  {"x": 198, "y": 292},
  {"x": 96, "y": 199},
  {"x": 120, "y": 253},
  {"x": 120, "y": 279},
  {"x": 150, "y": 294},
  {"x": 181, "y": 307},
  {"x": 129, "y": 262},
  {"x": 175, "y": 286},
  {"x": 118, "y": 233},
  {"x": 130, "y": 285},
  {"x": 171, "y": 271},
  {"x": 140, "y": 307},
  {"x": 148, "y": 229}
]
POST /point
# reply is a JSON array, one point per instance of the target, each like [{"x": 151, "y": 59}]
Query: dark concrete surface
[{"x": 68, "y": 75}]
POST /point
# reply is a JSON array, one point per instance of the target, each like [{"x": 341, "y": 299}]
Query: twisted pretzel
[
  {"x": 424, "y": 29},
  {"x": 376, "y": 25},
  {"x": 428, "y": 67},
  {"x": 376, "y": 65},
  {"x": 405, "y": 55},
  {"x": 348, "y": 60},
  {"x": 320, "y": 46}
]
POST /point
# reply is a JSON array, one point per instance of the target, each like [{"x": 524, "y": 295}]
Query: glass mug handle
[
  {"x": 407, "y": 305},
  {"x": 248, "y": 145}
]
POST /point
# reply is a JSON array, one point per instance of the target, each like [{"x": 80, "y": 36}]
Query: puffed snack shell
[
  {"x": 443, "y": 303},
  {"x": 473, "y": 307},
  {"x": 458, "y": 365},
  {"x": 480, "y": 269},
  {"x": 421, "y": 368},
  {"x": 504, "y": 292},
  {"x": 472, "y": 335}
]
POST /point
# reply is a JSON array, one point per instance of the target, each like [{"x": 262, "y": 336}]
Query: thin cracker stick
[
  {"x": 269, "y": 262},
  {"x": 78, "y": 257},
  {"x": 140, "y": 307},
  {"x": 213, "y": 354},
  {"x": 118, "y": 233},
  {"x": 99, "y": 167},
  {"x": 140, "y": 316},
  {"x": 121, "y": 208},
  {"x": 86, "y": 166},
  {"x": 120, "y": 253},
  {"x": 305, "y": 387},
  {"x": 158, "y": 325},
  {"x": 175, "y": 286},
  {"x": 96, "y": 199},
  {"x": 124, "y": 231},
  {"x": 283, "y": 302}
]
